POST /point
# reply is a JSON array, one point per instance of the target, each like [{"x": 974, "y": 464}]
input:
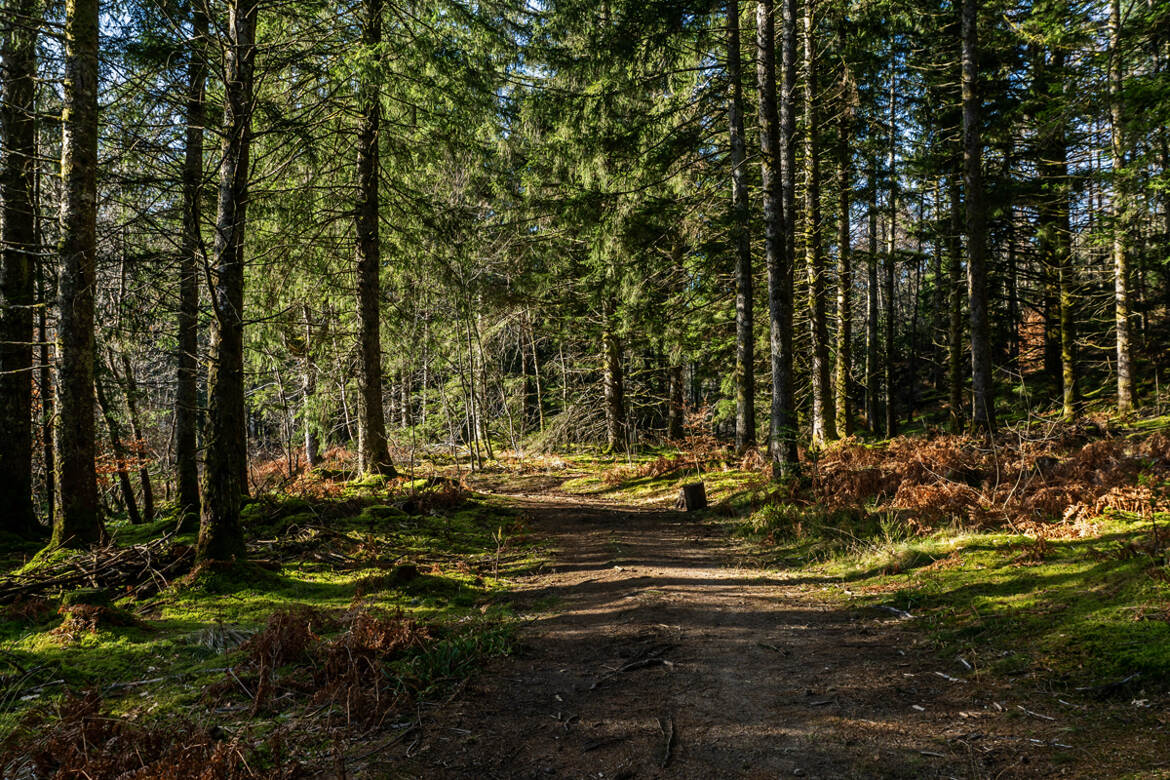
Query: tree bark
[
  {"x": 531, "y": 328},
  {"x": 786, "y": 418},
  {"x": 955, "y": 324},
  {"x": 1055, "y": 234},
  {"x": 745, "y": 378},
  {"x": 782, "y": 433},
  {"x": 118, "y": 448},
  {"x": 130, "y": 388},
  {"x": 78, "y": 520},
  {"x": 308, "y": 390},
  {"x": 1125, "y": 378},
  {"x": 674, "y": 415},
  {"x": 374, "y": 455},
  {"x": 939, "y": 304},
  {"x": 844, "y": 365},
  {"x": 48, "y": 453},
  {"x": 615, "y": 394},
  {"x": 872, "y": 383},
  {"x": 18, "y": 249},
  {"x": 823, "y": 423},
  {"x": 191, "y": 259},
  {"x": 220, "y": 534},
  {"x": 890, "y": 349},
  {"x": 981, "y": 380}
]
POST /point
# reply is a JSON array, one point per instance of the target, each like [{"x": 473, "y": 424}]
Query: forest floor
[
  {"x": 657, "y": 648},
  {"x": 898, "y": 612}
]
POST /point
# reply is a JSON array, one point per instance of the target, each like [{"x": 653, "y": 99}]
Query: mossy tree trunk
[
  {"x": 781, "y": 436},
  {"x": 220, "y": 533},
  {"x": 745, "y": 378},
  {"x": 190, "y": 262},
  {"x": 955, "y": 307},
  {"x": 614, "y": 381},
  {"x": 890, "y": 350},
  {"x": 78, "y": 519},
  {"x": 1125, "y": 378},
  {"x": 18, "y": 248},
  {"x": 823, "y": 422},
  {"x": 982, "y": 383},
  {"x": 872, "y": 344},
  {"x": 844, "y": 346},
  {"x": 374, "y": 454}
]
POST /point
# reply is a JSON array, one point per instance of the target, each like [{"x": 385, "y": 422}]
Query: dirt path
[{"x": 643, "y": 636}]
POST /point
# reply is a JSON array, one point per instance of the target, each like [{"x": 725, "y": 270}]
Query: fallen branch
[
  {"x": 1034, "y": 714},
  {"x": 667, "y": 726}
]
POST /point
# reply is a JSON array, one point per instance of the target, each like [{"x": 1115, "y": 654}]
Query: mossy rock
[
  {"x": 94, "y": 597},
  {"x": 370, "y": 481}
]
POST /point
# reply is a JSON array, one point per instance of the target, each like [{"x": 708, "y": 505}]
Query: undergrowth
[
  {"x": 1043, "y": 553},
  {"x": 1045, "y": 556},
  {"x": 356, "y": 600}
]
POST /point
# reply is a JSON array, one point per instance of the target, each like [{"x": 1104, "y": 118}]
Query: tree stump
[{"x": 692, "y": 496}]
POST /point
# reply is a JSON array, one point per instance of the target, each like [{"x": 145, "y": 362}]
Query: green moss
[
  {"x": 1084, "y": 609},
  {"x": 342, "y": 552}
]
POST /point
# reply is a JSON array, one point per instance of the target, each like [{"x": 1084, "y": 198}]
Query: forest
[{"x": 517, "y": 388}]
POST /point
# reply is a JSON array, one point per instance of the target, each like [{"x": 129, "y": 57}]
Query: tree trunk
[
  {"x": 674, "y": 414},
  {"x": 118, "y": 448},
  {"x": 615, "y": 396},
  {"x": 1070, "y": 392},
  {"x": 18, "y": 249},
  {"x": 782, "y": 433},
  {"x": 308, "y": 390},
  {"x": 535, "y": 373},
  {"x": 48, "y": 454},
  {"x": 844, "y": 411},
  {"x": 910, "y": 376},
  {"x": 405, "y": 412},
  {"x": 528, "y": 383},
  {"x": 1125, "y": 378},
  {"x": 823, "y": 423},
  {"x": 890, "y": 350},
  {"x": 1050, "y": 289},
  {"x": 130, "y": 388},
  {"x": 786, "y": 417},
  {"x": 374, "y": 456},
  {"x": 938, "y": 323},
  {"x": 955, "y": 325},
  {"x": 981, "y": 379},
  {"x": 191, "y": 258},
  {"x": 872, "y": 383},
  {"x": 220, "y": 534},
  {"x": 78, "y": 519},
  {"x": 1055, "y": 234},
  {"x": 745, "y": 378},
  {"x": 484, "y": 427}
]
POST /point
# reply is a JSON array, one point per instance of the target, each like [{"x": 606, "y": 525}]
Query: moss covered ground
[{"x": 430, "y": 557}]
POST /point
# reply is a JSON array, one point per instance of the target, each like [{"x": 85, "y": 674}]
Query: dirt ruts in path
[{"x": 650, "y": 656}]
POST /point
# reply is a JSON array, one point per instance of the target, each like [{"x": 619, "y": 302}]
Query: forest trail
[{"x": 643, "y": 633}]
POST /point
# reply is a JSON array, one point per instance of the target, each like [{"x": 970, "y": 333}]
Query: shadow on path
[{"x": 644, "y": 638}]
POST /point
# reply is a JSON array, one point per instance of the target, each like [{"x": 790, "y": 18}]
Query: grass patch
[
  {"x": 1085, "y": 610},
  {"x": 657, "y": 476}
]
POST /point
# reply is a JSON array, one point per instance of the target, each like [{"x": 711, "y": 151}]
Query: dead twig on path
[{"x": 667, "y": 726}]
